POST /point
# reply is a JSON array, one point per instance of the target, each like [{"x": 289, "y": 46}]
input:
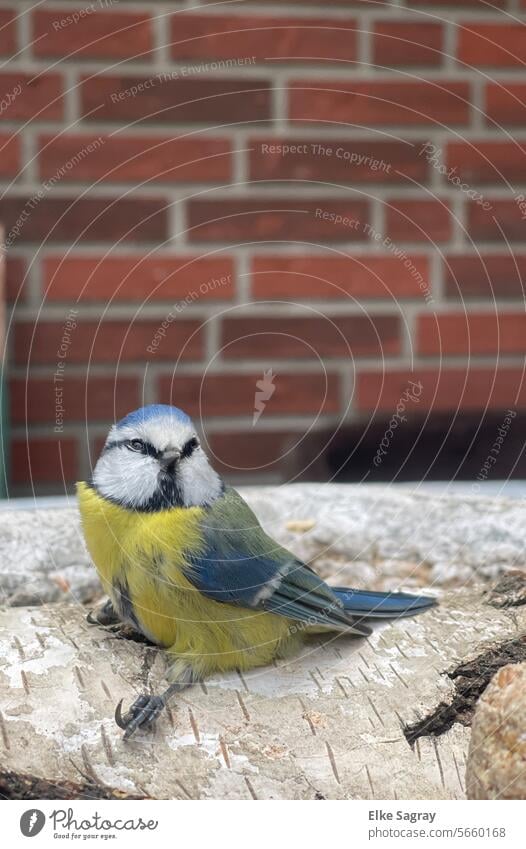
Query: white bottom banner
[{"x": 236, "y": 824}]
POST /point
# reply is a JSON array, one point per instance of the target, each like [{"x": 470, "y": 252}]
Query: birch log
[{"x": 331, "y": 723}]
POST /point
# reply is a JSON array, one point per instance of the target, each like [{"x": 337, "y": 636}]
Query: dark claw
[
  {"x": 143, "y": 711},
  {"x": 124, "y": 721},
  {"x": 118, "y": 716}
]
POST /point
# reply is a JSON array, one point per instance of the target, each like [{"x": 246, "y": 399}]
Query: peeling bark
[
  {"x": 471, "y": 680},
  {"x": 17, "y": 786},
  {"x": 510, "y": 591}
]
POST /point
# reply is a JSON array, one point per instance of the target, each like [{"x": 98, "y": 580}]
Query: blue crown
[{"x": 154, "y": 411}]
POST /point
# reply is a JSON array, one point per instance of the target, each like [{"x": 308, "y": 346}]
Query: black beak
[{"x": 169, "y": 460}]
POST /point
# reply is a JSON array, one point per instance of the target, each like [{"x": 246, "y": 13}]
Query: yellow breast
[{"x": 143, "y": 553}]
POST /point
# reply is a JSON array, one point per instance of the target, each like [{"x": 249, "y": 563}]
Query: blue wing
[{"x": 240, "y": 564}]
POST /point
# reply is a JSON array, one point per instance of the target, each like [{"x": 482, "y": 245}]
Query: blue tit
[{"x": 185, "y": 562}]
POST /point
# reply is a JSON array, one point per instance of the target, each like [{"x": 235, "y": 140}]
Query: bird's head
[{"x": 153, "y": 460}]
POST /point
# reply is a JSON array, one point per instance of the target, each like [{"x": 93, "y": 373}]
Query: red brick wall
[{"x": 163, "y": 244}]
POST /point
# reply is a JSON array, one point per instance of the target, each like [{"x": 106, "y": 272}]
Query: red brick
[
  {"x": 418, "y": 220},
  {"x": 335, "y": 277},
  {"x": 498, "y": 45},
  {"x": 374, "y": 162},
  {"x": 506, "y": 104},
  {"x": 233, "y": 394},
  {"x": 262, "y": 38},
  {"x": 465, "y": 388},
  {"x": 84, "y": 398},
  {"x": 112, "y": 342},
  {"x": 256, "y": 452},
  {"x": 16, "y": 270},
  {"x": 97, "y": 35},
  {"x": 138, "y": 278},
  {"x": 309, "y": 338},
  {"x": 97, "y": 219},
  {"x": 176, "y": 101},
  {"x": 460, "y": 334},
  {"x": 376, "y": 103},
  {"x": 503, "y": 221},
  {"x": 489, "y": 276},
  {"x": 267, "y": 219},
  {"x": 487, "y": 162},
  {"x": 44, "y": 460},
  {"x": 407, "y": 43},
  {"x": 8, "y": 39},
  {"x": 121, "y": 158},
  {"x": 9, "y": 155},
  {"x": 36, "y": 96}
]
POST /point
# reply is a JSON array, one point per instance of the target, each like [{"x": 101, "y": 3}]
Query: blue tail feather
[{"x": 376, "y": 605}]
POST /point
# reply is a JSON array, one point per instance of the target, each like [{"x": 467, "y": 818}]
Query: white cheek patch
[
  {"x": 125, "y": 476},
  {"x": 198, "y": 483}
]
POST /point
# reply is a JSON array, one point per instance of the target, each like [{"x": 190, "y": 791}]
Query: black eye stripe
[
  {"x": 190, "y": 447},
  {"x": 147, "y": 448}
]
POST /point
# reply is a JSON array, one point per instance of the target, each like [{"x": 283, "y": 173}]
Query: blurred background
[{"x": 303, "y": 223}]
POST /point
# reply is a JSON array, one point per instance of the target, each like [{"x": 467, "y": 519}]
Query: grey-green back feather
[{"x": 241, "y": 564}]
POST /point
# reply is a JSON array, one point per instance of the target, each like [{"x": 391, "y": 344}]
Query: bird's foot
[
  {"x": 143, "y": 712},
  {"x": 146, "y": 708}
]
